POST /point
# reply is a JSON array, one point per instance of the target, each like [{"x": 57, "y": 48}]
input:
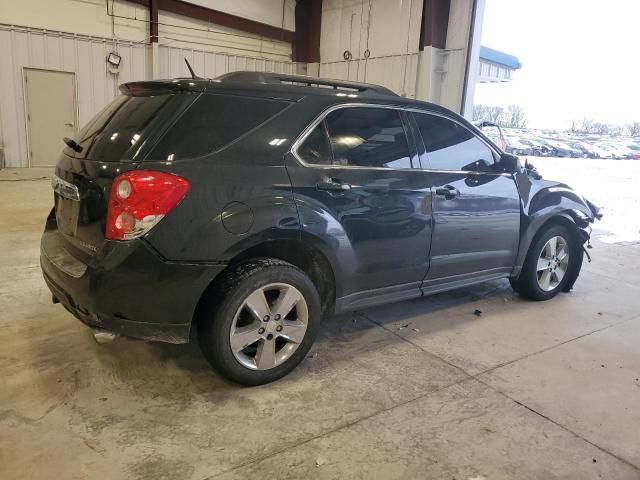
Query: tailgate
[{"x": 81, "y": 195}]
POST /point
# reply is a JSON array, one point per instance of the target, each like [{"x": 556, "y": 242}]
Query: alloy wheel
[
  {"x": 269, "y": 326},
  {"x": 553, "y": 263}
]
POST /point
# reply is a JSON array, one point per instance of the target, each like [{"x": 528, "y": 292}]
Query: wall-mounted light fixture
[{"x": 113, "y": 62}]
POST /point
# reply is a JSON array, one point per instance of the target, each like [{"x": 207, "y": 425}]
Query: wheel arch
[
  {"x": 540, "y": 223},
  {"x": 303, "y": 255}
]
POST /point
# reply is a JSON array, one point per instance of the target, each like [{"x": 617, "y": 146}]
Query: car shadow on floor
[
  {"x": 359, "y": 343},
  {"x": 342, "y": 337}
]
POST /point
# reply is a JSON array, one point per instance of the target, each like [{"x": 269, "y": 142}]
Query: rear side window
[
  {"x": 450, "y": 146},
  {"x": 212, "y": 122},
  {"x": 117, "y": 132},
  {"x": 368, "y": 137}
]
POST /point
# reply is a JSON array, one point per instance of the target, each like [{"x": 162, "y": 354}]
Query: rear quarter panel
[{"x": 240, "y": 196}]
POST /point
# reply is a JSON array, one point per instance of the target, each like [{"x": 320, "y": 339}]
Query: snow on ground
[{"x": 611, "y": 184}]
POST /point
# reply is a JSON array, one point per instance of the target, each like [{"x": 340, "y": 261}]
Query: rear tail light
[{"x": 139, "y": 199}]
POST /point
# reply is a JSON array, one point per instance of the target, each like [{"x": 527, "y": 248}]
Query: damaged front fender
[{"x": 545, "y": 201}]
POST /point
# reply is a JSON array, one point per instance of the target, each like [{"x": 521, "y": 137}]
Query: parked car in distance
[
  {"x": 561, "y": 149},
  {"x": 634, "y": 150},
  {"x": 590, "y": 151},
  {"x": 538, "y": 149},
  {"x": 516, "y": 147},
  {"x": 251, "y": 206},
  {"x": 620, "y": 151},
  {"x": 612, "y": 151}
]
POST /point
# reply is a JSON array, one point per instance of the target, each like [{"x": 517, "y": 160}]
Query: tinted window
[
  {"x": 117, "y": 131},
  {"x": 368, "y": 137},
  {"x": 451, "y": 146},
  {"x": 212, "y": 122},
  {"x": 315, "y": 148}
]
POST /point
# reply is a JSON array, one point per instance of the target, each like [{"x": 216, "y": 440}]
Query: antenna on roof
[{"x": 193, "y": 74}]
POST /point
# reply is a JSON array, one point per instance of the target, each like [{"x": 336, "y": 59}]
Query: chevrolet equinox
[{"x": 252, "y": 205}]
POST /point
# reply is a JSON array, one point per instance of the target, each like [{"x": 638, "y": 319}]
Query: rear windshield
[
  {"x": 212, "y": 122},
  {"x": 117, "y": 132}
]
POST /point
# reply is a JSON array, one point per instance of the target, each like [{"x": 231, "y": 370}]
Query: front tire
[
  {"x": 550, "y": 264},
  {"x": 261, "y": 321}
]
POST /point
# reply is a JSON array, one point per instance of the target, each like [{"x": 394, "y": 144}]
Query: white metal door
[{"x": 51, "y": 113}]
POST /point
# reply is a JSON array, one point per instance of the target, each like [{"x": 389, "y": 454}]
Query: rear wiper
[{"x": 72, "y": 144}]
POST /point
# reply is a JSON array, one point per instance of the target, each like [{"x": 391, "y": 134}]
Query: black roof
[
  {"x": 284, "y": 86},
  {"x": 302, "y": 81},
  {"x": 296, "y": 86}
]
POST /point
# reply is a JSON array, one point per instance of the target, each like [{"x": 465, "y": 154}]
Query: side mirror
[
  {"x": 509, "y": 163},
  {"x": 493, "y": 131}
]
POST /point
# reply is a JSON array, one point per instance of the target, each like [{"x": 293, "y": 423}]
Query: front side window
[
  {"x": 450, "y": 146},
  {"x": 368, "y": 137}
]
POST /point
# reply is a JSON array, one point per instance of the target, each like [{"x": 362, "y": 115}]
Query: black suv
[{"x": 253, "y": 204}]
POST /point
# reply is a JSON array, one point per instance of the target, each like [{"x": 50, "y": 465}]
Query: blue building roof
[{"x": 499, "y": 58}]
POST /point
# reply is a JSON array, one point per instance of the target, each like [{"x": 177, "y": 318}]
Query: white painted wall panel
[
  {"x": 394, "y": 27},
  {"x": 131, "y": 23},
  {"x": 177, "y": 31},
  {"x": 86, "y": 57},
  {"x": 212, "y": 64},
  {"x": 90, "y": 16},
  {"x": 83, "y": 55},
  {"x": 396, "y": 72},
  {"x": 388, "y": 29},
  {"x": 264, "y": 11}
]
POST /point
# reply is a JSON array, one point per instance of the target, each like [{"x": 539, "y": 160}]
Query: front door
[
  {"x": 51, "y": 113},
  {"x": 359, "y": 188},
  {"x": 476, "y": 209}
]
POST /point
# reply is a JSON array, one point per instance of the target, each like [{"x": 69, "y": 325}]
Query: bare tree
[
  {"x": 615, "y": 130},
  {"x": 492, "y": 113},
  {"x": 514, "y": 117},
  {"x": 576, "y": 126},
  {"x": 479, "y": 112},
  {"x": 495, "y": 114},
  {"x": 633, "y": 129},
  {"x": 600, "y": 128},
  {"x": 587, "y": 126}
]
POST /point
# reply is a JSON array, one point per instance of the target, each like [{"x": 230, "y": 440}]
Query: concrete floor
[{"x": 420, "y": 389}]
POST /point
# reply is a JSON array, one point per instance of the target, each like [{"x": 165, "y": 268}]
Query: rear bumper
[{"x": 127, "y": 288}]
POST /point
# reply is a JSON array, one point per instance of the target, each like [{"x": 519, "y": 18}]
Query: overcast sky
[{"x": 581, "y": 58}]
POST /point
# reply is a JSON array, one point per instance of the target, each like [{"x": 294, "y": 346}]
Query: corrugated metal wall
[
  {"x": 211, "y": 64},
  {"x": 86, "y": 56},
  {"x": 380, "y": 39},
  {"x": 396, "y": 72},
  {"x": 83, "y": 55}
]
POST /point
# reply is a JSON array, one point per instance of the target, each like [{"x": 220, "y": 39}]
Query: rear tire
[
  {"x": 261, "y": 321},
  {"x": 553, "y": 260}
]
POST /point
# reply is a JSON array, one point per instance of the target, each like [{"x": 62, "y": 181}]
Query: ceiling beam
[
  {"x": 217, "y": 17},
  {"x": 435, "y": 22},
  {"x": 306, "y": 44},
  {"x": 153, "y": 21}
]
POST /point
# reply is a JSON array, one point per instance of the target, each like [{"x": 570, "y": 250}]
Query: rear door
[
  {"x": 358, "y": 186},
  {"x": 476, "y": 208}
]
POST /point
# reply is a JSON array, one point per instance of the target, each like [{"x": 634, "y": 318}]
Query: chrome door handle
[
  {"x": 448, "y": 192},
  {"x": 333, "y": 185},
  {"x": 69, "y": 124}
]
